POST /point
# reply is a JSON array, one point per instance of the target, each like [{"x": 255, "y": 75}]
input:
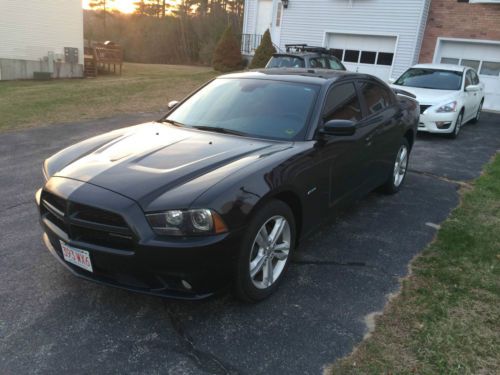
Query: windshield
[
  {"x": 431, "y": 79},
  {"x": 254, "y": 107},
  {"x": 286, "y": 62}
]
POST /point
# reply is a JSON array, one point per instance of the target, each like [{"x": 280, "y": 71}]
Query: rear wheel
[
  {"x": 458, "y": 126},
  {"x": 478, "y": 113},
  {"x": 266, "y": 252},
  {"x": 400, "y": 167}
]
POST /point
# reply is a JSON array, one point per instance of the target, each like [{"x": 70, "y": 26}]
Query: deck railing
[{"x": 249, "y": 43}]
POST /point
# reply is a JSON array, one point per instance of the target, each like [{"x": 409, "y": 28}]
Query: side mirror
[
  {"x": 338, "y": 127},
  {"x": 392, "y": 80},
  {"x": 472, "y": 88},
  {"x": 173, "y": 104}
]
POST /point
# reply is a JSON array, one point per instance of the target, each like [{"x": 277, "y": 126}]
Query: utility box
[{"x": 71, "y": 55}]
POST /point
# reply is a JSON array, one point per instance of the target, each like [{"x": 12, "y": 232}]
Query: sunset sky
[{"x": 124, "y": 6}]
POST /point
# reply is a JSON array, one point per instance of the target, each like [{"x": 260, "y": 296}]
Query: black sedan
[{"x": 220, "y": 191}]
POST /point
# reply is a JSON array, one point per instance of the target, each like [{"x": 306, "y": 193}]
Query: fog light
[
  {"x": 186, "y": 285},
  {"x": 443, "y": 124}
]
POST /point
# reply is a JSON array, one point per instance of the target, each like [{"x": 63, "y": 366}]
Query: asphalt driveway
[{"x": 51, "y": 322}]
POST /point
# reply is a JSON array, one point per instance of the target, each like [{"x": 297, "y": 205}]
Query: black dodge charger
[{"x": 220, "y": 190}]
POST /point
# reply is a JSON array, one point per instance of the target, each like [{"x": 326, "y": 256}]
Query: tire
[
  {"x": 251, "y": 282},
  {"x": 400, "y": 166},
  {"x": 458, "y": 126},
  {"x": 475, "y": 120}
]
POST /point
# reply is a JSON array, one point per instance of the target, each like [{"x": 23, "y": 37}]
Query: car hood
[
  {"x": 429, "y": 96},
  {"x": 145, "y": 162}
]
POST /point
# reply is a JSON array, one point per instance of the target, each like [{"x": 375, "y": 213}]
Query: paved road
[{"x": 52, "y": 322}]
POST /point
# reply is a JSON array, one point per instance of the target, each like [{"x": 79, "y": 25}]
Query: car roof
[
  {"x": 452, "y": 67},
  {"x": 301, "y": 54},
  {"x": 300, "y": 75}
]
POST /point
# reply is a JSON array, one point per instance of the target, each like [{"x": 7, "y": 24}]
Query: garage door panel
[{"x": 364, "y": 53}]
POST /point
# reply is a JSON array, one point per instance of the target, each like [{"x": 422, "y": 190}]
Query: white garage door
[
  {"x": 364, "y": 53},
  {"x": 484, "y": 57}
]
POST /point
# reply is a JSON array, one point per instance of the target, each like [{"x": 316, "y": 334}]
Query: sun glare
[{"x": 124, "y": 6}]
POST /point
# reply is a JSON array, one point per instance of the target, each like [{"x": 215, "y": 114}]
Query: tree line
[{"x": 159, "y": 32}]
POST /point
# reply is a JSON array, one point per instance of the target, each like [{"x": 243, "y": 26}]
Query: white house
[
  {"x": 380, "y": 37},
  {"x": 41, "y": 36},
  {"x": 385, "y": 37}
]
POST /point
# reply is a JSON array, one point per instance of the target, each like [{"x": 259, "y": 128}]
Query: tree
[
  {"x": 227, "y": 55},
  {"x": 264, "y": 52},
  {"x": 99, "y": 4}
]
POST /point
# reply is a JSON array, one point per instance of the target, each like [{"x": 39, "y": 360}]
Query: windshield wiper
[{"x": 221, "y": 130}]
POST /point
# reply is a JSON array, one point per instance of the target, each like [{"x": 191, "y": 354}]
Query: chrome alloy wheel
[
  {"x": 458, "y": 124},
  {"x": 400, "y": 166},
  {"x": 269, "y": 252},
  {"x": 478, "y": 114}
]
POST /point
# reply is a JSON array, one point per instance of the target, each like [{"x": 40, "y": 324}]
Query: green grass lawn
[
  {"x": 141, "y": 88},
  {"x": 446, "y": 320}
]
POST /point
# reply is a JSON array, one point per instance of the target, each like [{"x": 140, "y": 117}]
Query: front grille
[
  {"x": 423, "y": 108},
  {"x": 97, "y": 215},
  {"x": 87, "y": 224}
]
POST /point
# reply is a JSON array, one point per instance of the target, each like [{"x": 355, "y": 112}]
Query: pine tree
[
  {"x": 264, "y": 52},
  {"x": 227, "y": 55}
]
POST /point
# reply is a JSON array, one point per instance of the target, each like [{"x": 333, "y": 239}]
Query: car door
[
  {"x": 342, "y": 159},
  {"x": 479, "y": 95},
  {"x": 380, "y": 126},
  {"x": 470, "y": 97}
]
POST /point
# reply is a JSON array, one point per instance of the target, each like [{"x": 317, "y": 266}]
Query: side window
[
  {"x": 475, "y": 78},
  {"x": 334, "y": 64},
  {"x": 318, "y": 62},
  {"x": 377, "y": 98},
  {"x": 468, "y": 78},
  {"x": 342, "y": 103}
]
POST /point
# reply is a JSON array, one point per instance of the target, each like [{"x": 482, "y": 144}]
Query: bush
[
  {"x": 227, "y": 55},
  {"x": 264, "y": 52}
]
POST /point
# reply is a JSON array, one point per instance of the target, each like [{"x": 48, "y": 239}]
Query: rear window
[{"x": 286, "y": 62}]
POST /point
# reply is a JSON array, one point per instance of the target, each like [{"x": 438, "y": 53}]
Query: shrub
[
  {"x": 227, "y": 55},
  {"x": 264, "y": 52}
]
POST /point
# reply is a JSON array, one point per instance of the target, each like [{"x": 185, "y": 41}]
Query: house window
[
  {"x": 449, "y": 60},
  {"x": 368, "y": 57},
  {"x": 490, "y": 68},
  {"x": 474, "y": 64},
  {"x": 278, "y": 14},
  {"x": 385, "y": 58},
  {"x": 351, "y": 55},
  {"x": 338, "y": 53}
]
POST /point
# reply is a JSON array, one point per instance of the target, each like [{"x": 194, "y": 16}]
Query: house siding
[
  {"x": 307, "y": 21},
  {"x": 30, "y": 29}
]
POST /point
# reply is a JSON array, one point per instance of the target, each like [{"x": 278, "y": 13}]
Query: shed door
[
  {"x": 483, "y": 57},
  {"x": 364, "y": 53}
]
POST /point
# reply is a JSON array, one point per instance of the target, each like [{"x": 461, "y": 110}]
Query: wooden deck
[{"x": 102, "y": 57}]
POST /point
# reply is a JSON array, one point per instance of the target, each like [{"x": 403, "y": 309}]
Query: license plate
[{"x": 78, "y": 257}]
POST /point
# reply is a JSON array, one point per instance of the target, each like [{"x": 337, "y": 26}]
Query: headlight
[
  {"x": 187, "y": 222},
  {"x": 449, "y": 107}
]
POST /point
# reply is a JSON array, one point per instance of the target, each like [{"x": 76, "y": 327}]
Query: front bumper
[
  {"x": 181, "y": 268},
  {"x": 433, "y": 122}
]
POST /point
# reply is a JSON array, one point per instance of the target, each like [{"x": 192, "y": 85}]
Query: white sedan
[{"x": 449, "y": 96}]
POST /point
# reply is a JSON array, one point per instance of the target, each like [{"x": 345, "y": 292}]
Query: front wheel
[
  {"x": 266, "y": 251},
  {"x": 395, "y": 180}
]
